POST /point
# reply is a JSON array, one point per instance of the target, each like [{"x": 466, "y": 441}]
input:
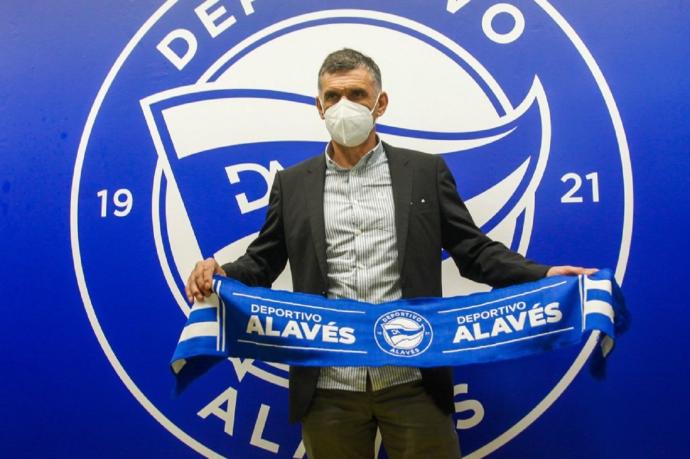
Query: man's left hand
[{"x": 569, "y": 271}]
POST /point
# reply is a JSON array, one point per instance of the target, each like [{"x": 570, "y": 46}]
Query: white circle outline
[
  {"x": 440, "y": 38},
  {"x": 431, "y": 332},
  {"x": 507, "y": 37},
  {"x": 499, "y": 441}
]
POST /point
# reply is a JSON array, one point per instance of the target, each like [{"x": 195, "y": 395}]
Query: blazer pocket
[
  {"x": 425, "y": 220},
  {"x": 422, "y": 205}
]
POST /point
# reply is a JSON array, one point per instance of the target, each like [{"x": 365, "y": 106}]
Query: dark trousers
[{"x": 342, "y": 425}]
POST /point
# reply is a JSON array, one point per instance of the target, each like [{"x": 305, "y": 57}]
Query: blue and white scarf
[{"x": 310, "y": 330}]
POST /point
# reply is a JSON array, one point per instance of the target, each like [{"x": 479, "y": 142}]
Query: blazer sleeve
[
  {"x": 266, "y": 256},
  {"x": 477, "y": 256}
]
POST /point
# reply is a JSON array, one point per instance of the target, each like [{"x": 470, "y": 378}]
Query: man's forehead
[{"x": 356, "y": 77}]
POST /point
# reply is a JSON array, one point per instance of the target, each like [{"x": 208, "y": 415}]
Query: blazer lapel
[
  {"x": 401, "y": 179},
  {"x": 313, "y": 192}
]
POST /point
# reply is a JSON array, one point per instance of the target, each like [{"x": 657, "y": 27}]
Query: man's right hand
[{"x": 200, "y": 281}]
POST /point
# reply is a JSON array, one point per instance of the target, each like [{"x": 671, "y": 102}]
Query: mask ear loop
[
  {"x": 375, "y": 103},
  {"x": 322, "y": 112}
]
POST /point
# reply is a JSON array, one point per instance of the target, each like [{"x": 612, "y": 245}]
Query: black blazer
[{"x": 429, "y": 216}]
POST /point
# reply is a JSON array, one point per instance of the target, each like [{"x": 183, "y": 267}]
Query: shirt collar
[{"x": 372, "y": 157}]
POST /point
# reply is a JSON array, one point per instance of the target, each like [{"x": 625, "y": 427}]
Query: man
[{"x": 367, "y": 221}]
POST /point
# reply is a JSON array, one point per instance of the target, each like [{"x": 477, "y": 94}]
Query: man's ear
[
  {"x": 319, "y": 107},
  {"x": 382, "y": 104}
]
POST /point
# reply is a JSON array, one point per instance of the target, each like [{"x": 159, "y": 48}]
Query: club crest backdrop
[{"x": 138, "y": 138}]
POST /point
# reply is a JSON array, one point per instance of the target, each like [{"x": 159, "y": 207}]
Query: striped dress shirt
[{"x": 362, "y": 255}]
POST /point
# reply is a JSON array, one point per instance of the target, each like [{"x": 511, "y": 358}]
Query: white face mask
[{"x": 349, "y": 123}]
